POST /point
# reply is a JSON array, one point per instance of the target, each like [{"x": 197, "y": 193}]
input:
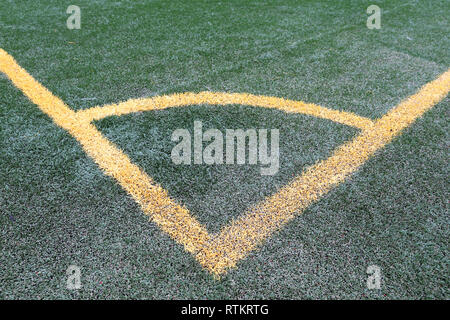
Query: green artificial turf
[{"x": 58, "y": 208}]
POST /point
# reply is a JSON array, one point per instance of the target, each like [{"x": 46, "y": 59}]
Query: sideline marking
[{"x": 220, "y": 252}]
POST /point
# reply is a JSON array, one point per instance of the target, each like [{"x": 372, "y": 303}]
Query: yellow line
[
  {"x": 223, "y": 98},
  {"x": 220, "y": 252},
  {"x": 37, "y": 93},
  {"x": 236, "y": 240},
  {"x": 171, "y": 217}
]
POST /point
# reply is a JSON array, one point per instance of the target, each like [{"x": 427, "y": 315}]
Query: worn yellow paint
[
  {"x": 222, "y": 98},
  {"x": 154, "y": 200},
  {"x": 244, "y": 234},
  {"x": 220, "y": 252}
]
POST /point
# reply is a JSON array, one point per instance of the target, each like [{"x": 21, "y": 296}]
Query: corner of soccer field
[{"x": 138, "y": 150}]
